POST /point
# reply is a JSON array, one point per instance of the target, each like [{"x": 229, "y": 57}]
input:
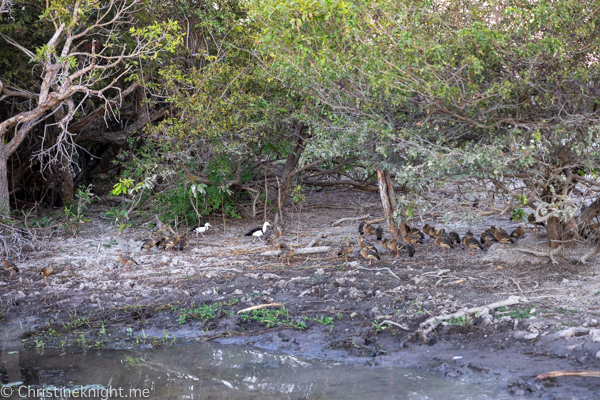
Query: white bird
[
  {"x": 258, "y": 232},
  {"x": 202, "y": 229}
]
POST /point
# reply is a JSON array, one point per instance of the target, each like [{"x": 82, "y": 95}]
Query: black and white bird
[
  {"x": 202, "y": 229},
  {"x": 258, "y": 232}
]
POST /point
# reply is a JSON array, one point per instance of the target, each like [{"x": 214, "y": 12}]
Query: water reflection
[{"x": 210, "y": 371}]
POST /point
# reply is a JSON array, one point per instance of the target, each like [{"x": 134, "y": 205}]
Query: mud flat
[{"x": 321, "y": 306}]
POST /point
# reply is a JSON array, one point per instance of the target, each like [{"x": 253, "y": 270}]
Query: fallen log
[
  {"x": 432, "y": 323},
  {"x": 260, "y": 306},
  {"x": 555, "y": 374},
  {"x": 339, "y": 221},
  {"x": 315, "y": 240},
  {"x": 311, "y": 250}
]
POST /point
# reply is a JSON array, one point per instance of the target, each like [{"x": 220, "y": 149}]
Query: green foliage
[
  {"x": 202, "y": 311},
  {"x": 271, "y": 317},
  {"x": 75, "y": 214},
  {"x": 519, "y": 313}
]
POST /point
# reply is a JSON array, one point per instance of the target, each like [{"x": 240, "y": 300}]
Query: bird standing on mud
[
  {"x": 46, "y": 272},
  {"x": 126, "y": 261},
  {"x": 346, "y": 249},
  {"x": 286, "y": 252},
  {"x": 202, "y": 229},
  {"x": 148, "y": 244},
  {"x": 10, "y": 266},
  {"x": 258, "y": 232}
]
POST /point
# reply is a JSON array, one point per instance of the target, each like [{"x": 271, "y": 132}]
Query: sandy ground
[{"x": 343, "y": 305}]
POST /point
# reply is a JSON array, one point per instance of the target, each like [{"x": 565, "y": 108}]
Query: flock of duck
[{"x": 414, "y": 237}]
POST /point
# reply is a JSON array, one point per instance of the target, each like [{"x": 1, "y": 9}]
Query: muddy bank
[{"x": 332, "y": 309}]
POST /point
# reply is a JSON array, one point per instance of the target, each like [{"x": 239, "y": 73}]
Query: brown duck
[
  {"x": 444, "y": 242},
  {"x": 455, "y": 237},
  {"x": 126, "y": 261},
  {"x": 346, "y": 249},
  {"x": 518, "y": 233},
  {"x": 173, "y": 242},
  {"x": 487, "y": 238},
  {"x": 473, "y": 244},
  {"x": 369, "y": 230},
  {"x": 369, "y": 254},
  {"x": 183, "y": 243},
  {"x": 46, "y": 272},
  {"x": 10, "y": 266},
  {"x": 502, "y": 237},
  {"x": 413, "y": 239},
  {"x": 286, "y": 252},
  {"x": 148, "y": 244},
  {"x": 379, "y": 233}
]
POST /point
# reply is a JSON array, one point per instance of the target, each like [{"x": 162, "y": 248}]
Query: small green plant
[
  {"x": 39, "y": 343},
  {"x": 103, "y": 329},
  {"x": 81, "y": 340},
  {"x": 75, "y": 214},
  {"x": 273, "y": 317},
  {"x": 202, "y": 311},
  {"x": 597, "y": 293},
  {"x": 458, "y": 321},
  {"x": 129, "y": 331}
]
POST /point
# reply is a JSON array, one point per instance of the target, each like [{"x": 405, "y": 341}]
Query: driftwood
[
  {"x": 549, "y": 254},
  {"x": 381, "y": 269},
  {"x": 555, "y": 374},
  {"x": 430, "y": 324},
  {"x": 312, "y": 250},
  {"x": 387, "y": 321},
  {"x": 339, "y": 221},
  {"x": 315, "y": 240},
  {"x": 260, "y": 306}
]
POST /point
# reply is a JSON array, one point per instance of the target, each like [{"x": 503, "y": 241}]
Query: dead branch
[
  {"x": 555, "y": 374},
  {"x": 430, "y": 324},
  {"x": 312, "y": 250},
  {"x": 339, "y": 221},
  {"x": 549, "y": 254},
  {"x": 381, "y": 269},
  {"x": 387, "y": 321},
  {"x": 315, "y": 240},
  {"x": 261, "y": 306}
]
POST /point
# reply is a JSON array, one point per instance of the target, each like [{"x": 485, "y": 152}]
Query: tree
[
  {"x": 481, "y": 94},
  {"x": 93, "y": 47}
]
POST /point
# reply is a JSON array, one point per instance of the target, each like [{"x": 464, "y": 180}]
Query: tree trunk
[
  {"x": 4, "y": 192},
  {"x": 287, "y": 175},
  {"x": 388, "y": 200},
  {"x": 555, "y": 229},
  {"x": 67, "y": 175}
]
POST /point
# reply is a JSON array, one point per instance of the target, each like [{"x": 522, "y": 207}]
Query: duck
[
  {"x": 455, "y": 237},
  {"x": 162, "y": 241},
  {"x": 10, "y": 265},
  {"x": 518, "y": 233},
  {"x": 273, "y": 235},
  {"x": 502, "y": 237},
  {"x": 148, "y": 244},
  {"x": 416, "y": 231},
  {"x": 410, "y": 249},
  {"x": 183, "y": 243},
  {"x": 370, "y": 254},
  {"x": 379, "y": 233},
  {"x": 363, "y": 244},
  {"x": 473, "y": 244},
  {"x": 201, "y": 229},
  {"x": 412, "y": 238},
  {"x": 258, "y": 232},
  {"x": 286, "y": 252},
  {"x": 46, "y": 272},
  {"x": 361, "y": 227},
  {"x": 532, "y": 220},
  {"x": 439, "y": 232},
  {"x": 346, "y": 249},
  {"x": 487, "y": 238},
  {"x": 425, "y": 229},
  {"x": 126, "y": 261},
  {"x": 444, "y": 242},
  {"x": 172, "y": 243},
  {"x": 384, "y": 245},
  {"x": 369, "y": 230}
]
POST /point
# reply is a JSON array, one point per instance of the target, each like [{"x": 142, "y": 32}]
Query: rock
[
  {"x": 238, "y": 292},
  {"x": 320, "y": 271},
  {"x": 354, "y": 264},
  {"x": 269, "y": 277},
  {"x": 595, "y": 335},
  {"x": 575, "y": 331},
  {"x": 21, "y": 295},
  {"x": 598, "y": 355},
  {"x": 529, "y": 334}
]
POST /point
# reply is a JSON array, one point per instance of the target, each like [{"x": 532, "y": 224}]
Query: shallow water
[{"x": 211, "y": 371}]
